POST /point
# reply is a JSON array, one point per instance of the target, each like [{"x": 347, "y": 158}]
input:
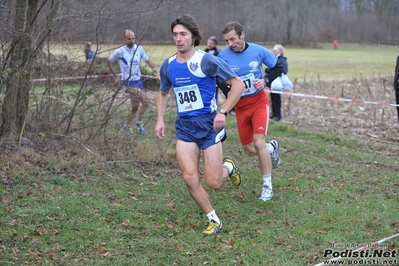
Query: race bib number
[
  {"x": 248, "y": 81},
  {"x": 188, "y": 98}
]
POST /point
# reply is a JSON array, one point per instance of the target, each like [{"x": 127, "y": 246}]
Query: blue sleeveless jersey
[
  {"x": 194, "y": 82},
  {"x": 248, "y": 64}
]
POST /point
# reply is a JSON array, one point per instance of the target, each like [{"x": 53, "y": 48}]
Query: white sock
[
  {"x": 267, "y": 180},
  {"x": 270, "y": 147},
  {"x": 228, "y": 165},
  {"x": 212, "y": 216}
]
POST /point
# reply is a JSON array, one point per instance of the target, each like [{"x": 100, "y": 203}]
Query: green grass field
[
  {"x": 347, "y": 62},
  {"x": 330, "y": 192},
  {"x": 343, "y": 63}
]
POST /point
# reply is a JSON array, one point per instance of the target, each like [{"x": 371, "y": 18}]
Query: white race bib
[
  {"x": 188, "y": 98},
  {"x": 249, "y": 84}
]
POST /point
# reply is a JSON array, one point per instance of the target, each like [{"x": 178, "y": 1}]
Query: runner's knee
[
  {"x": 214, "y": 183},
  {"x": 249, "y": 150}
]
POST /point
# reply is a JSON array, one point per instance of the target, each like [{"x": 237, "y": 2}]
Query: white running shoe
[
  {"x": 275, "y": 156},
  {"x": 128, "y": 129},
  {"x": 267, "y": 193}
]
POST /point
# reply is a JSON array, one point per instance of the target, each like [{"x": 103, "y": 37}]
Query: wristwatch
[
  {"x": 222, "y": 111},
  {"x": 266, "y": 82}
]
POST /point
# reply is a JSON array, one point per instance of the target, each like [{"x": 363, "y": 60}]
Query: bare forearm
[
  {"x": 162, "y": 102},
  {"x": 111, "y": 68},
  {"x": 151, "y": 65},
  {"x": 237, "y": 87}
]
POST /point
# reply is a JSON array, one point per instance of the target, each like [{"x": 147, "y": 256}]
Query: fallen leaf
[{"x": 4, "y": 200}]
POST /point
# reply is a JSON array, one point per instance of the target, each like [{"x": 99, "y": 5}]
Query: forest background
[{"x": 300, "y": 22}]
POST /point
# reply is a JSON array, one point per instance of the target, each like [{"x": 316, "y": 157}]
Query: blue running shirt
[
  {"x": 194, "y": 82},
  {"x": 129, "y": 61},
  {"x": 248, "y": 64}
]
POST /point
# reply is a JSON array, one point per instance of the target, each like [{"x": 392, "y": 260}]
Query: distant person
[
  {"x": 252, "y": 110},
  {"x": 211, "y": 48},
  {"x": 89, "y": 53},
  {"x": 335, "y": 43},
  {"x": 190, "y": 74},
  {"x": 396, "y": 83},
  {"x": 129, "y": 57},
  {"x": 280, "y": 83}
]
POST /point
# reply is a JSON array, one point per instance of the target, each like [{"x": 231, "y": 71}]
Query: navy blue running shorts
[
  {"x": 199, "y": 130},
  {"x": 132, "y": 83}
]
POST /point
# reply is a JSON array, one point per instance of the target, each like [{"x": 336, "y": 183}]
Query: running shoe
[
  {"x": 275, "y": 156},
  {"x": 128, "y": 129},
  {"x": 140, "y": 128},
  {"x": 212, "y": 228},
  {"x": 267, "y": 193},
  {"x": 235, "y": 175}
]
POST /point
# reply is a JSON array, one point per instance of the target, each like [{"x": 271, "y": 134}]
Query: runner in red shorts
[{"x": 252, "y": 110}]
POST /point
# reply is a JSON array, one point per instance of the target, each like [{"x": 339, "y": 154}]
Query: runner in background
[{"x": 129, "y": 57}]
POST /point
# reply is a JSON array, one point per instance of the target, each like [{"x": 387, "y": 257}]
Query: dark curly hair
[{"x": 191, "y": 24}]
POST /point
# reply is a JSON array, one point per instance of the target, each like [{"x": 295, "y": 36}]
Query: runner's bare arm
[{"x": 237, "y": 87}]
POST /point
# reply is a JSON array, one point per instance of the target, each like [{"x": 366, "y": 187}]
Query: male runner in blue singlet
[{"x": 200, "y": 124}]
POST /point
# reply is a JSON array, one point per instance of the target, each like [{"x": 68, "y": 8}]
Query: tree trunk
[
  {"x": 20, "y": 57},
  {"x": 16, "y": 99}
]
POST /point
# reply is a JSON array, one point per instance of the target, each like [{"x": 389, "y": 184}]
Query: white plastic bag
[
  {"x": 277, "y": 85},
  {"x": 286, "y": 82}
]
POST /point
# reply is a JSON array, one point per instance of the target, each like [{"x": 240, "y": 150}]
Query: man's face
[
  {"x": 129, "y": 39},
  {"x": 183, "y": 38},
  {"x": 235, "y": 42}
]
